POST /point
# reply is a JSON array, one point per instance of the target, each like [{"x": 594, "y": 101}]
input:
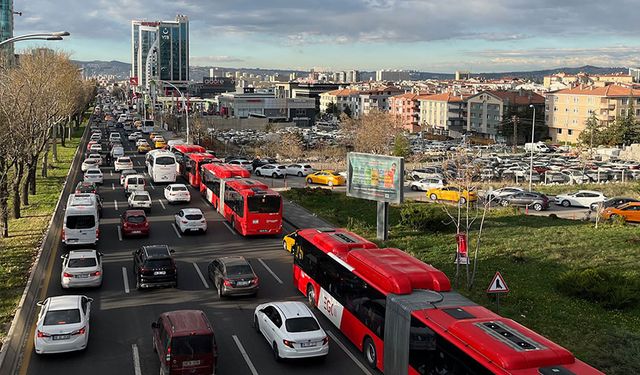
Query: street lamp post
[
  {"x": 186, "y": 108},
  {"x": 533, "y": 126},
  {"x": 37, "y": 36}
]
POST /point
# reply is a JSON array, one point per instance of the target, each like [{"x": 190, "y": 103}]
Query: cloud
[{"x": 213, "y": 60}]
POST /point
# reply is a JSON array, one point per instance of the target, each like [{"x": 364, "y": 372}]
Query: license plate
[
  {"x": 243, "y": 283},
  {"x": 61, "y": 337},
  {"x": 72, "y": 240},
  {"x": 263, "y": 230},
  {"x": 190, "y": 363},
  {"x": 159, "y": 272},
  {"x": 307, "y": 344},
  {"x": 136, "y": 232},
  {"x": 164, "y": 178},
  {"x": 82, "y": 276}
]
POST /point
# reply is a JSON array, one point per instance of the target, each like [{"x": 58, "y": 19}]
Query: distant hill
[{"x": 122, "y": 70}]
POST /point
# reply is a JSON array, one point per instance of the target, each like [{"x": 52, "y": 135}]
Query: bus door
[{"x": 221, "y": 197}]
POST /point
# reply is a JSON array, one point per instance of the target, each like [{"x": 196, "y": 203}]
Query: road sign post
[{"x": 498, "y": 286}]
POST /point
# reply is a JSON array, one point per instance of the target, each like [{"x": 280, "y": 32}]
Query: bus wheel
[
  {"x": 370, "y": 354},
  {"x": 311, "y": 296}
]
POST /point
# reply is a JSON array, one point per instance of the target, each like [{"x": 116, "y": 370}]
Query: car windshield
[
  {"x": 80, "y": 222},
  {"x": 165, "y": 160},
  {"x": 137, "y": 219},
  {"x": 179, "y": 188},
  {"x": 141, "y": 198},
  {"x": 189, "y": 345},
  {"x": 264, "y": 204},
  {"x": 82, "y": 262},
  {"x": 239, "y": 269},
  {"x": 124, "y": 160},
  {"x": 90, "y": 161},
  {"x": 193, "y": 216},
  {"x": 305, "y": 324},
  {"x": 59, "y": 317}
]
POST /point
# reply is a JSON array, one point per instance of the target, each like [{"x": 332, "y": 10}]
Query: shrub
[
  {"x": 424, "y": 217},
  {"x": 611, "y": 289}
]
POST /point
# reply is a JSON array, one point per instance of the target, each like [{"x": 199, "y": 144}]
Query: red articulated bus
[
  {"x": 404, "y": 317},
  {"x": 193, "y": 162},
  {"x": 251, "y": 207},
  {"x": 180, "y": 151},
  {"x": 212, "y": 176}
]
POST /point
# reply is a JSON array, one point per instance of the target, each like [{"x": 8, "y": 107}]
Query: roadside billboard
[{"x": 375, "y": 177}]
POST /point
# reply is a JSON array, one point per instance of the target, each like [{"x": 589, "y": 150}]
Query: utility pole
[{"x": 514, "y": 120}]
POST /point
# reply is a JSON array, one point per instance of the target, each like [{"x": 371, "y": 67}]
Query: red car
[{"x": 134, "y": 223}]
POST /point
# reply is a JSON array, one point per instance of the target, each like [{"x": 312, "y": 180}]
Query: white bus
[
  {"x": 161, "y": 166},
  {"x": 147, "y": 126}
]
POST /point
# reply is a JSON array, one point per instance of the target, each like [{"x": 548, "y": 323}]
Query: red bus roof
[
  {"x": 394, "y": 271},
  {"x": 187, "y": 149},
  {"x": 336, "y": 241},
  {"x": 199, "y": 156},
  {"x": 222, "y": 170},
  {"x": 248, "y": 187}
]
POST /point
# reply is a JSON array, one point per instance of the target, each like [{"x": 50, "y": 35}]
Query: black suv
[{"x": 153, "y": 266}]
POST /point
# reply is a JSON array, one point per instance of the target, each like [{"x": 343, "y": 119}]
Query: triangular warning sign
[{"x": 498, "y": 285}]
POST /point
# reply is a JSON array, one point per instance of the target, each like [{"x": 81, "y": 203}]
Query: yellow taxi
[
  {"x": 453, "y": 194},
  {"x": 326, "y": 177},
  {"x": 289, "y": 240},
  {"x": 144, "y": 148},
  {"x": 153, "y": 135},
  {"x": 159, "y": 142}
]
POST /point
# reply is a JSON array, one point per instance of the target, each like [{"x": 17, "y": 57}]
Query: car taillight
[
  {"x": 288, "y": 343},
  {"x": 63, "y": 235},
  {"x": 255, "y": 281},
  {"x": 146, "y": 223},
  {"x": 97, "y": 232},
  {"x": 184, "y": 222},
  {"x": 325, "y": 340},
  {"x": 97, "y": 273},
  {"x": 81, "y": 331},
  {"x": 42, "y": 334},
  {"x": 227, "y": 282},
  {"x": 67, "y": 274},
  {"x": 167, "y": 358}
]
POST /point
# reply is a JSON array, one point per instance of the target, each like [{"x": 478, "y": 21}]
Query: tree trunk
[
  {"x": 54, "y": 144},
  {"x": 24, "y": 186},
  {"x": 17, "y": 207},
  {"x": 45, "y": 164},
  {"x": 63, "y": 127},
  {"x": 31, "y": 176},
  {"x": 4, "y": 197}
]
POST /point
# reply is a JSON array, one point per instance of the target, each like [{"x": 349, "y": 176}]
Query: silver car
[{"x": 81, "y": 268}]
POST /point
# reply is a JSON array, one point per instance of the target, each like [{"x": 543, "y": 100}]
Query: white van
[
  {"x": 80, "y": 226},
  {"x": 114, "y": 137},
  {"x": 133, "y": 182},
  {"x": 536, "y": 147}
]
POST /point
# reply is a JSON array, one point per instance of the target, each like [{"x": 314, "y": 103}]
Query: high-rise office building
[
  {"x": 6, "y": 25},
  {"x": 160, "y": 50}
]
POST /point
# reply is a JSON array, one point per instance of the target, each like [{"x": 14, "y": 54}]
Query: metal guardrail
[{"x": 11, "y": 353}]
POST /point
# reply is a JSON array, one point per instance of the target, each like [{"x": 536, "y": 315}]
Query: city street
[{"x": 121, "y": 316}]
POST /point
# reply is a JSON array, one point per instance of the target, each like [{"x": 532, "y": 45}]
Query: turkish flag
[{"x": 133, "y": 81}]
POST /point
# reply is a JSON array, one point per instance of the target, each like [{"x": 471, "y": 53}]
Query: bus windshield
[
  {"x": 165, "y": 160},
  {"x": 264, "y": 204}
]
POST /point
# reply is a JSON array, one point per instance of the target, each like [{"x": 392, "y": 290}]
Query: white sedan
[
  {"x": 94, "y": 175},
  {"x": 190, "y": 219},
  {"x": 299, "y": 170},
  {"x": 140, "y": 199},
  {"x": 122, "y": 163},
  {"x": 177, "y": 193},
  {"x": 88, "y": 163},
  {"x": 95, "y": 148},
  {"x": 291, "y": 330},
  {"x": 426, "y": 184},
  {"x": 63, "y": 324},
  {"x": 141, "y": 141},
  {"x": 98, "y": 158},
  {"x": 581, "y": 198},
  {"x": 134, "y": 136},
  {"x": 271, "y": 170},
  {"x": 81, "y": 268}
]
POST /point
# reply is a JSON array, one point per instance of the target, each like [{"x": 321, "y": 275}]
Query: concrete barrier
[{"x": 11, "y": 352}]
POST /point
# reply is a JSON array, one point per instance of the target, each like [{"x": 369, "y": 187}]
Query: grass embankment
[
  {"x": 18, "y": 252},
  {"x": 532, "y": 253}
]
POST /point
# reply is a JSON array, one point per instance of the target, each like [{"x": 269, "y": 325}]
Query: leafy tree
[
  {"x": 523, "y": 116},
  {"x": 593, "y": 133},
  {"x": 332, "y": 108},
  {"x": 401, "y": 146},
  {"x": 347, "y": 111}
]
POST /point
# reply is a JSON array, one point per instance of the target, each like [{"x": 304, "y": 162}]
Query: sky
[{"x": 426, "y": 35}]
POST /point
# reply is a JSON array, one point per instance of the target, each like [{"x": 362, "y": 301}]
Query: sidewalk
[{"x": 300, "y": 217}]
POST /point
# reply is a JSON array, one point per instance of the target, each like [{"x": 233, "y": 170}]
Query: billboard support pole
[{"x": 383, "y": 221}]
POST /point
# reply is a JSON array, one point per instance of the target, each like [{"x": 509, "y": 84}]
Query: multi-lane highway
[{"x": 121, "y": 316}]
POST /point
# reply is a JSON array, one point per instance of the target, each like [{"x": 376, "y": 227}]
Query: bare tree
[{"x": 373, "y": 133}]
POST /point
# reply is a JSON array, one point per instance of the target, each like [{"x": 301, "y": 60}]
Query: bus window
[
  {"x": 264, "y": 204},
  {"x": 234, "y": 201}
]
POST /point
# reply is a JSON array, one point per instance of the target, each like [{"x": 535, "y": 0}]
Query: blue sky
[{"x": 427, "y": 35}]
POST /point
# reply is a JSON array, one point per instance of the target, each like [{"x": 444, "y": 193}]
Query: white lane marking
[
  {"x": 119, "y": 233},
  {"x": 341, "y": 345},
  {"x": 136, "y": 359},
  {"x": 176, "y": 230},
  {"x": 151, "y": 184},
  {"x": 115, "y": 203},
  {"x": 245, "y": 355},
  {"x": 230, "y": 229},
  {"x": 204, "y": 281},
  {"x": 110, "y": 173},
  {"x": 162, "y": 204},
  {"x": 270, "y": 270},
  {"x": 113, "y": 186},
  {"x": 125, "y": 278}
]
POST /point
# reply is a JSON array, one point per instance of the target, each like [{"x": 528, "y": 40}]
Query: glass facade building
[
  {"x": 6, "y": 23},
  {"x": 167, "y": 44}
]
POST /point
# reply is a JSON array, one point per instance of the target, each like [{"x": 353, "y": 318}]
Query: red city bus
[
  {"x": 213, "y": 175},
  {"x": 404, "y": 317},
  {"x": 180, "y": 151},
  {"x": 251, "y": 207},
  {"x": 193, "y": 162}
]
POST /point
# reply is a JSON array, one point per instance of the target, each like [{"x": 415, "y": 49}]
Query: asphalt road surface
[{"x": 121, "y": 316}]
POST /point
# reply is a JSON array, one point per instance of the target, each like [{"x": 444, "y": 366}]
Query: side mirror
[
  {"x": 172, "y": 251},
  {"x": 40, "y": 303},
  {"x": 89, "y": 299},
  {"x": 100, "y": 254},
  {"x": 154, "y": 325}
]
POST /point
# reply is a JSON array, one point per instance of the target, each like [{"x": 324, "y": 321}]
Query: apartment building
[
  {"x": 442, "y": 113},
  {"x": 407, "y": 109},
  {"x": 485, "y": 110},
  {"x": 342, "y": 98},
  {"x": 572, "y": 80},
  {"x": 376, "y": 99},
  {"x": 567, "y": 111}
]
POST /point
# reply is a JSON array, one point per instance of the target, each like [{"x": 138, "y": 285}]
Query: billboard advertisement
[{"x": 375, "y": 177}]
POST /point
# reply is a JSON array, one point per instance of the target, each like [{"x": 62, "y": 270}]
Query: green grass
[
  {"x": 531, "y": 252},
  {"x": 25, "y": 234}
]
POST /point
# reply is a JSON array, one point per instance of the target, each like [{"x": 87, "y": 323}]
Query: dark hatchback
[
  {"x": 154, "y": 266},
  {"x": 612, "y": 202},
  {"x": 233, "y": 276},
  {"x": 537, "y": 201}
]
